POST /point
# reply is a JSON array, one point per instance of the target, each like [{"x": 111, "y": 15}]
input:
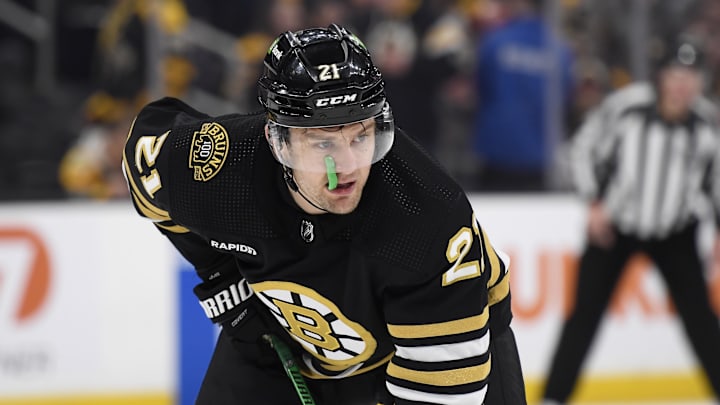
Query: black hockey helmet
[
  {"x": 684, "y": 50},
  {"x": 322, "y": 78}
]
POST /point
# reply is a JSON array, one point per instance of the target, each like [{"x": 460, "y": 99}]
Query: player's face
[{"x": 350, "y": 148}]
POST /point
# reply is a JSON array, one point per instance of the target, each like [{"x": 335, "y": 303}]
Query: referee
[{"x": 644, "y": 161}]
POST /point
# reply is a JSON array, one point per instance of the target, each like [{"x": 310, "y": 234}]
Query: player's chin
[
  {"x": 345, "y": 204},
  {"x": 343, "y": 209}
]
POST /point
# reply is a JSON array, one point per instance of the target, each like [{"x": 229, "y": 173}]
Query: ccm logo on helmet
[
  {"x": 226, "y": 299},
  {"x": 337, "y": 100}
]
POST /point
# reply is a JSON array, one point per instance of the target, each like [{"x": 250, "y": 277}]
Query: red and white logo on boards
[{"x": 24, "y": 275}]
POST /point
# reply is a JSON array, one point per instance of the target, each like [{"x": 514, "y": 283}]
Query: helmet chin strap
[{"x": 290, "y": 180}]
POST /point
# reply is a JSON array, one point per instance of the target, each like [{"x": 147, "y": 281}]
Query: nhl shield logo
[
  {"x": 307, "y": 231},
  {"x": 208, "y": 151}
]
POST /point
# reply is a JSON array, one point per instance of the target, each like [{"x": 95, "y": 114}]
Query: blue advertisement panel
[{"x": 196, "y": 336}]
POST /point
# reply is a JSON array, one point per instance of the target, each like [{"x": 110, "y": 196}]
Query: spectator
[
  {"x": 89, "y": 167},
  {"x": 417, "y": 45},
  {"x": 524, "y": 73}
]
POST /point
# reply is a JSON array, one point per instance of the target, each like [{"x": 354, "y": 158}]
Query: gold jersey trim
[
  {"x": 174, "y": 228},
  {"x": 440, "y": 329},
  {"x": 443, "y": 378},
  {"x": 146, "y": 207},
  {"x": 495, "y": 268},
  {"x": 147, "y": 211},
  {"x": 498, "y": 292}
]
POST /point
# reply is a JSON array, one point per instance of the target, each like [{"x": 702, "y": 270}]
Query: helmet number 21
[{"x": 328, "y": 72}]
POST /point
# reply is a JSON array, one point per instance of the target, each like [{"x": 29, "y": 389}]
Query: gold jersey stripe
[
  {"x": 148, "y": 212},
  {"x": 174, "y": 228},
  {"x": 444, "y": 378},
  {"x": 440, "y": 329},
  {"x": 499, "y": 291},
  {"x": 156, "y": 212},
  {"x": 361, "y": 370},
  {"x": 130, "y": 132},
  {"x": 495, "y": 268}
]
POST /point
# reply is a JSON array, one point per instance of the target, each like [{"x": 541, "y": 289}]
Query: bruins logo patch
[{"x": 208, "y": 151}]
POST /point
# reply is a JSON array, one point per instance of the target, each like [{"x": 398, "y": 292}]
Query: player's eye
[
  {"x": 362, "y": 138},
  {"x": 323, "y": 145}
]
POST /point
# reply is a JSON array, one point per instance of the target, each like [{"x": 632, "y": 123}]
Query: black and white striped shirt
[{"x": 654, "y": 177}]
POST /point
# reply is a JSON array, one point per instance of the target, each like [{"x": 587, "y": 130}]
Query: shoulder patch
[{"x": 208, "y": 151}]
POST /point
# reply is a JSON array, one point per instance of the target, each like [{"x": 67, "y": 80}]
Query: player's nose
[{"x": 346, "y": 160}]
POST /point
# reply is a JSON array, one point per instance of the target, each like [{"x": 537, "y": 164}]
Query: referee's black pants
[{"x": 679, "y": 263}]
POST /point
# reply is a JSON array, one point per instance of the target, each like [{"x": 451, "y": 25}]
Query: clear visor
[{"x": 335, "y": 149}]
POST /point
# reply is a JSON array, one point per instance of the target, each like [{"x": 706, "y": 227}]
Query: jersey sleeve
[
  {"x": 595, "y": 144},
  {"x": 223, "y": 293},
  {"x": 441, "y": 326},
  {"x": 584, "y": 153},
  {"x": 145, "y": 156}
]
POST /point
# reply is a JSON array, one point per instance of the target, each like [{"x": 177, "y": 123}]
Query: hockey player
[{"x": 343, "y": 264}]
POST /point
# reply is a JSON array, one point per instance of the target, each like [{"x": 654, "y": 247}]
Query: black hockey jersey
[{"x": 408, "y": 281}]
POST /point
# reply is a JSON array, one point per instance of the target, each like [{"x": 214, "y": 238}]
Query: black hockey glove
[{"x": 230, "y": 303}]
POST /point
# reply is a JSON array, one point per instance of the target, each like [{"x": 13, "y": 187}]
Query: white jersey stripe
[
  {"x": 655, "y": 138},
  {"x": 474, "y": 398},
  {"x": 445, "y": 352},
  {"x": 671, "y": 198}
]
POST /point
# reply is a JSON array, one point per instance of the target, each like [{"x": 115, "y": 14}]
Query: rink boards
[{"x": 93, "y": 301}]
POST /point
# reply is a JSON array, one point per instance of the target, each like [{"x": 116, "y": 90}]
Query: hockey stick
[{"x": 291, "y": 368}]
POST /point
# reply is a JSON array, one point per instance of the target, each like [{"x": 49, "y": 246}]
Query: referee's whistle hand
[{"x": 599, "y": 227}]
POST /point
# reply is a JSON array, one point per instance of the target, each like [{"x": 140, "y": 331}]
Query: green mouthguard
[{"x": 331, "y": 174}]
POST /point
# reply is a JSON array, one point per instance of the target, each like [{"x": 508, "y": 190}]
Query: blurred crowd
[{"x": 493, "y": 89}]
